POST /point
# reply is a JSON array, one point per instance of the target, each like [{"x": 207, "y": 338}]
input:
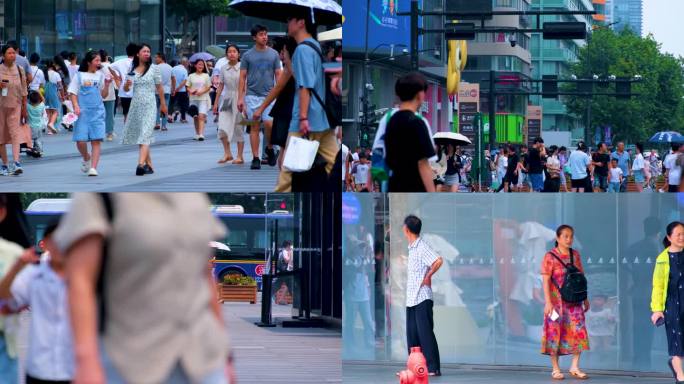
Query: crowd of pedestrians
[{"x": 281, "y": 85}]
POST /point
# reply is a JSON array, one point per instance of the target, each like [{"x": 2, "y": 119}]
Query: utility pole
[
  {"x": 492, "y": 109},
  {"x": 414, "y": 35}
]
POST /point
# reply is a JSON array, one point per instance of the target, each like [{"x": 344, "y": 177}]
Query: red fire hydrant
[{"x": 416, "y": 372}]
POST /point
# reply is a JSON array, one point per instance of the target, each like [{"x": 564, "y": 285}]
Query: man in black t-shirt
[
  {"x": 536, "y": 160},
  {"x": 601, "y": 159},
  {"x": 408, "y": 142}
]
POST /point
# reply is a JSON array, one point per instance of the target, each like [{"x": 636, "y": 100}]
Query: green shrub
[{"x": 238, "y": 280}]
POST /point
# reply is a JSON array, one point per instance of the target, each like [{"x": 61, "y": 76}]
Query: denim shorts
[
  {"x": 639, "y": 176},
  {"x": 537, "y": 180},
  {"x": 252, "y": 103}
]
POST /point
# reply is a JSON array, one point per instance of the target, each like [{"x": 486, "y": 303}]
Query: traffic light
[
  {"x": 623, "y": 88},
  {"x": 460, "y": 31},
  {"x": 560, "y": 30},
  {"x": 283, "y": 205},
  {"x": 549, "y": 86}
]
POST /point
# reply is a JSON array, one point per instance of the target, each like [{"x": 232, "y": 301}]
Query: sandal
[
  {"x": 577, "y": 374},
  {"x": 557, "y": 375},
  {"x": 225, "y": 159},
  {"x": 239, "y": 161}
]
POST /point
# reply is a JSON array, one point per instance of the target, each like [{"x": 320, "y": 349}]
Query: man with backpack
[{"x": 309, "y": 117}]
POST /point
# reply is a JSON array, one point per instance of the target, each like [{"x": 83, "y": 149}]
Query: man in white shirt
[
  {"x": 40, "y": 285},
  {"x": 578, "y": 162},
  {"x": 674, "y": 169},
  {"x": 121, "y": 69},
  {"x": 423, "y": 263},
  {"x": 38, "y": 75},
  {"x": 168, "y": 83},
  {"x": 179, "y": 94}
]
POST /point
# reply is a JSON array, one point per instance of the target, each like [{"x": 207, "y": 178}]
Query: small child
[
  {"x": 36, "y": 120},
  {"x": 601, "y": 323},
  {"x": 614, "y": 177}
]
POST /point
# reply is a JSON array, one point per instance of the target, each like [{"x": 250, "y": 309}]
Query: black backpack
[
  {"x": 574, "y": 288},
  {"x": 333, "y": 103}
]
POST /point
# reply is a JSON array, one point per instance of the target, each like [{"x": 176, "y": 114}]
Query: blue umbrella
[
  {"x": 201, "y": 56},
  {"x": 667, "y": 137},
  {"x": 323, "y": 12}
]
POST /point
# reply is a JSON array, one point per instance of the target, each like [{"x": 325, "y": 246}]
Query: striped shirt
[{"x": 420, "y": 259}]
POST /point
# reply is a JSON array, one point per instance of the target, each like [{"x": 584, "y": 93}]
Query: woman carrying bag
[
  {"x": 665, "y": 296},
  {"x": 565, "y": 331}
]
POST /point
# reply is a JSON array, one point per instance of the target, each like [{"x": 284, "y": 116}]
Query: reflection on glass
[{"x": 488, "y": 295}]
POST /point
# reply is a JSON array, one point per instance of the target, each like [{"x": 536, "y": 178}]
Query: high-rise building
[
  {"x": 626, "y": 13},
  {"x": 511, "y": 61},
  {"x": 554, "y": 57}
]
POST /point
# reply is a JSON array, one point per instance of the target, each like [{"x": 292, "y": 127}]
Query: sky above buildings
[{"x": 663, "y": 18}]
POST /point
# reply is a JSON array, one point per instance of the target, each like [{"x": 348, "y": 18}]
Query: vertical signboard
[
  {"x": 534, "y": 123},
  {"x": 468, "y": 107}
]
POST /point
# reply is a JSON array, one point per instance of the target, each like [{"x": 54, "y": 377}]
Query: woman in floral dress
[
  {"x": 567, "y": 334},
  {"x": 145, "y": 79}
]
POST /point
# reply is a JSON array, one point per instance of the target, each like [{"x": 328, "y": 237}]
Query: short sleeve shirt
[
  {"x": 38, "y": 78},
  {"x": 86, "y": 79},
  {"x": 229, "y": 76},
  {"x": 578, "y": 162},
  {"x": 159, "y": 270},
  {"x": 420, "y": 260},
  {"x": 54, "y": 77},
  {"x": 166, "y": 73},
  {"x": 181, "y": 74},
  {"x": 535, "y": 161},
  {"x": 307, "y": 69},
  {"x": 623, "y": 161},
  {"x": 407, "y": 141},
  {"x": 197, "y": 81},
  {"x": 111, "y": 95},
  {"x": 260, "y": 67},
  {"x": 17, "y": 86},
  {"x": 123, "y": 68}
]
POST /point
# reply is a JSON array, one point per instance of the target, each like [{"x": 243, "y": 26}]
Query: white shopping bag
[{"x": 300, "y": 154}]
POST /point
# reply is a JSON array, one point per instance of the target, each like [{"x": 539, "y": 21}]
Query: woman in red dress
[{"x": 565, "y": 332}]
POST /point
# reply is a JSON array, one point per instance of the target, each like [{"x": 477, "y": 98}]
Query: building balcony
[{"x": 557, "y": 54}]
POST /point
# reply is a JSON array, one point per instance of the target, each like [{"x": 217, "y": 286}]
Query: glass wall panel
[{"x": 488, "y": 295}]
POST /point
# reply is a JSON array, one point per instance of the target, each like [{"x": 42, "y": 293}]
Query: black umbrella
[{"x": 324, "y": 12}]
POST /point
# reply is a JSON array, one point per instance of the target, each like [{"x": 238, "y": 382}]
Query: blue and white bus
[{"x": 249, "y": 239}]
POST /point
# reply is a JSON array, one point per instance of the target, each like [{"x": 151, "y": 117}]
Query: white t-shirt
[
  {"x": 54, "y": 77},
  {"x": 123, "y": 67},
  {"x": 38, "y": 78},
  {"x": 197, "y": 81},
  {"x": 553, "y": 163},
  {"x": 615, "y": 174},
  {"x": 674, "y": 169},
  {"x": 96, "y": 79},
  {"x": 578, "y": 162},
  {"x": 361, "y": 175},
  {"x": 219, "y": 64},
  {"x": 638, "y": 163},
  {"x": 73, "y": 69},
  {"x": 502, "y": 164},
  {"x": 111, "y": 96},
  {"x": 166, "y": 73}
]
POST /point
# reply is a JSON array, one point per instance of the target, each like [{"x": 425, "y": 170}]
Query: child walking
[
  {"x": 36, "y": 120},
  {"x": 87, "y": 91}
]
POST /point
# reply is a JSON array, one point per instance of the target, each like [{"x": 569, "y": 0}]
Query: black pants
[
  {"x": 31, "y": 380},
  {"x": 673, "y": 188},
  {"x": 419, "y": 333},
  {"x": 181, "y": 102}
]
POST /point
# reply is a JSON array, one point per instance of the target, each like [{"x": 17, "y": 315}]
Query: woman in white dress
[
  {"x": 226, "y": 109},
  {"x": 145, "y": 79}
]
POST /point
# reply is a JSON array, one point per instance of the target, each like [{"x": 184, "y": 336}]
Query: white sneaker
[
  {"x": 85, "y": 166},
  {"x": 110, "y": 137},
  {"x": 200, "y": 138},
  {"x": 196, "y": 137},
  {"x": 92, "y": 172}
]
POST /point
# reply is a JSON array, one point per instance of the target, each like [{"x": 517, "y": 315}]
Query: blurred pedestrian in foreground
[
  {"x": 13, "y": 241},
  {"x": 159, "y": 319},
  {"x": 39, "y": 284}
]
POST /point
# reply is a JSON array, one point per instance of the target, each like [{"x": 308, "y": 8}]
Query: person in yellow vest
[{"x": 668, "y": 293}]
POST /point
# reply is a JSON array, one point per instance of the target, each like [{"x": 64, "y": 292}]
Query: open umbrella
[
  {"x": 201, "y": 56},
  {"x": 216, "y": 50},
  {"x": 219, "y": 246},
  {"x": 667, "y": 137},
  {"x": 443, "y": 138},
  {"x": 324, "y": 12}
]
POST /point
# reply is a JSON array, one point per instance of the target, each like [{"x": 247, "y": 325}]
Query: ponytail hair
[
  {"x": 670, "y": 228},
  {"x": 560, "y": 230}
]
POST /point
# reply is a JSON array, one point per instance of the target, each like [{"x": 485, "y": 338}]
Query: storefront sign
[
  {"x": 468, "y": 107},
  {"x": 534, "y": 123}
]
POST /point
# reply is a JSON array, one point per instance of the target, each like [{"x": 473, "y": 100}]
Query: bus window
[
  {"x": 237, "y": 238},
  {"x": 260, "y": 239}
]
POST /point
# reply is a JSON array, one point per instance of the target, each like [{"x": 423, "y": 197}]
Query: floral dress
[
  {"x": 568, "y": 334},
  {"x": 142, "y": 117}
]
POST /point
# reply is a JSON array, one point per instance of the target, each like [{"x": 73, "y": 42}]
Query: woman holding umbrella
[{"x": 144, "y": 79}]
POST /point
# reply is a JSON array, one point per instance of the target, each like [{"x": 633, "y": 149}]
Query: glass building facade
[
  {"x": 488, "y": 299},
  {"x": 52, "y": 26}
]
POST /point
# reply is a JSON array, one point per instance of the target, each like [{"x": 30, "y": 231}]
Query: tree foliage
[{"x": 659, "y": 107}]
